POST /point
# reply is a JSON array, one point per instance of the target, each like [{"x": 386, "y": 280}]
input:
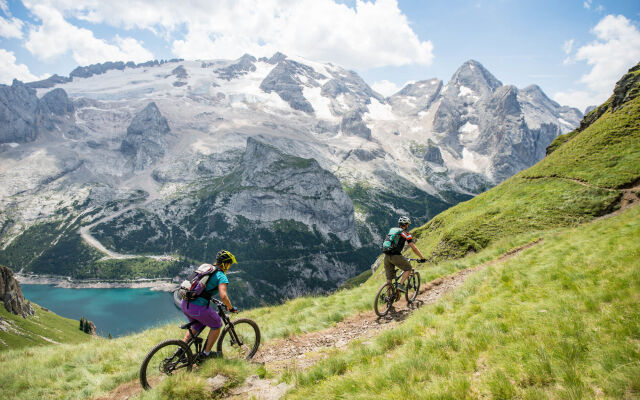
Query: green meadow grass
[
  {"x": 560, "y": 320},
  {"x": 95, "y": 367},
  {"x": 606, "y": 154},
  {"x": 43, "y": 324}
]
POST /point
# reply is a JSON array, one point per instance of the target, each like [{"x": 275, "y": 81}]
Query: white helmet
[{"x": 404, "y": 220}]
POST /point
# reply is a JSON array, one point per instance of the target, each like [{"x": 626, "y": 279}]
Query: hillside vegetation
[
  {"x": 558, "y": 320},
  {"x": 45, "y": 327}
]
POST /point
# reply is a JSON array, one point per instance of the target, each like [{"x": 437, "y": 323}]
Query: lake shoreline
[{"x": 157, "y": 284}]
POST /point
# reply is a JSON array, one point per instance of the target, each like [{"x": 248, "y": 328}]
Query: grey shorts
[{"x": 395, "y": 260}]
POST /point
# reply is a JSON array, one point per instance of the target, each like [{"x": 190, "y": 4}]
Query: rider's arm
[
  {"x": 222, "y": 289},
  {"x": 415, "y": 250}
]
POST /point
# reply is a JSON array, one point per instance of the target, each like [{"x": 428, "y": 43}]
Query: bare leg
[
  {"x": 404, "y": 277},
  {"x": 211, "y": 339},
  {"x": 187, "y": 335}
]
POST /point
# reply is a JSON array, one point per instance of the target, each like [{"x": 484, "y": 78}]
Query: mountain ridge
[{"x": 430, "y": 147}]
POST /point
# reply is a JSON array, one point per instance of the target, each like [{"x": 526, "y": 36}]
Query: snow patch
[
  {"x": 474, "y": 161},
  {"x": 379, "y": 111},
  {"x": 565, "y": 122},
  {"x": 465, "y": 91},
  {"x": 468, "y": 132},
  {"x": 321, "y": 105}
]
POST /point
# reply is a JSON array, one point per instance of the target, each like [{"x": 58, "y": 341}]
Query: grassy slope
[
  {"x": 32, "y": 330},
  {"x": 96, "y": 367},
  {"x": 558, "y": 321}
]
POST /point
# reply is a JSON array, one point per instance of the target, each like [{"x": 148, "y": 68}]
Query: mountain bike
[
  {"x": 389, "y": 293},
  {"x": 239, "y": 339}
]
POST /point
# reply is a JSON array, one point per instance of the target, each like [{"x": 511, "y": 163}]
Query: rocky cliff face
[
  {"x": 23, "y": 115},
  {"x": 11, "y": 294},
  {"x": 277, "y": 186},
  {"x": 145, "y": 141},
  {"x": 18, "y": 113}
]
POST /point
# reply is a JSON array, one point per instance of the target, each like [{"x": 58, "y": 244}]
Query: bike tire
[
  {"x": 384, "y": 299},
  {"x": 413, "y": 287},
  {"x": 248, "y": 332},
  {"x": 164, "y": 359}
]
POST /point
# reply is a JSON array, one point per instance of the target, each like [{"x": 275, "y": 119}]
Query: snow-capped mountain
[{"x": 208, "y": 154}]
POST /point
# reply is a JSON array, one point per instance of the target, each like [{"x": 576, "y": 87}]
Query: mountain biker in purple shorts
[{"x": 198, "y": 309}]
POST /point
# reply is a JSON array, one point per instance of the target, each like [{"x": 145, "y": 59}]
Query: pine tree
[
  {"x": 82, "y": 323},
  {"x": 109, "y": 336}
]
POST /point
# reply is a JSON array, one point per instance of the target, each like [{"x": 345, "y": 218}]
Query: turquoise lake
[{"x": 115, "y": 311}]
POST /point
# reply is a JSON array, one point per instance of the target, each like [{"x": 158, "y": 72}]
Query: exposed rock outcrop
[
  {"x": 241, "y": 66},
  {"x": 23, "y": 115},
  {"x": 18, "y": 113},
  {"x": 433, "y": 154},
  {"x": 285, "y": 80},
  {"x": 145, "y": 141},
  {"x": 11, "y": 294},
  {"x": 276, "y": 186}
]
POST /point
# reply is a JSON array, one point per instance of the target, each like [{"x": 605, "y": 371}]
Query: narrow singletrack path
[{"x": 301, "y": 351}]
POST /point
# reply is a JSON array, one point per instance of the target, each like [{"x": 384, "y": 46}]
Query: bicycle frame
[{"x": 226, "y": 324}]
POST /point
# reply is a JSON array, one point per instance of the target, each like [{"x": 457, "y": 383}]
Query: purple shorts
[{"x": 205, "y": 316}]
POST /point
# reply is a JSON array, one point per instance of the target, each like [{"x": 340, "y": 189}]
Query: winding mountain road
[{"x": 85, "y": 233}]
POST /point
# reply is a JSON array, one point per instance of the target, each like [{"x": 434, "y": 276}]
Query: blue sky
[{"x": 574, "y": 50}]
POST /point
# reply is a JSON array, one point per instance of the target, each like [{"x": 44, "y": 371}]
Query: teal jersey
[{"x": 212, "y": 286}]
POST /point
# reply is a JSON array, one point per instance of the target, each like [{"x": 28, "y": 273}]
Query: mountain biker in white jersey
[{"x": 396, "y": 259}]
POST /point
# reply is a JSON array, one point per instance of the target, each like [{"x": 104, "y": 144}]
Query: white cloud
[
  {"x": 5, "y": 8},
  {"x": 616, "y": 49},
  {"x": 11, "y": 28},
  {"x": 372, "y": 34},
  {"x": 10, "y": 70},
  {"x": 568, "y": 45},
  {"x": 385, "y": 88},
  {"x": 587, "y": 4},
  {"x": 579, "y": 99},
  {"x": 56, "y": 37}
]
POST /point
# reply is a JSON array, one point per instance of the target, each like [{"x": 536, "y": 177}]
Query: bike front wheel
[
  {"x": 239, "y": 340},
  {"x": 167, "y": 358},
  {"x": 413, "y": 287},
  {"x": 384, "y": 299}
]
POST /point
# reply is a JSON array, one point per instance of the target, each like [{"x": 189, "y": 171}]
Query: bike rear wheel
[
  {"x": 384, "y": 299},
  {"x": 413, "y": 287},
  {"x": 167, "y": 358},
  {"x": 239, "y": 340}
]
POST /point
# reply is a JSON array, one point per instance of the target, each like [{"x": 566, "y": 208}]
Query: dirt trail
[
  {"x": 629, "y": 196},
  {"x": 304, "y": 350}
]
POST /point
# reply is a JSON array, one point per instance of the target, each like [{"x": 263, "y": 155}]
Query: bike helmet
[
  {"x": 224, "y": 257},
  {"x": 404, "y": 220}
]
